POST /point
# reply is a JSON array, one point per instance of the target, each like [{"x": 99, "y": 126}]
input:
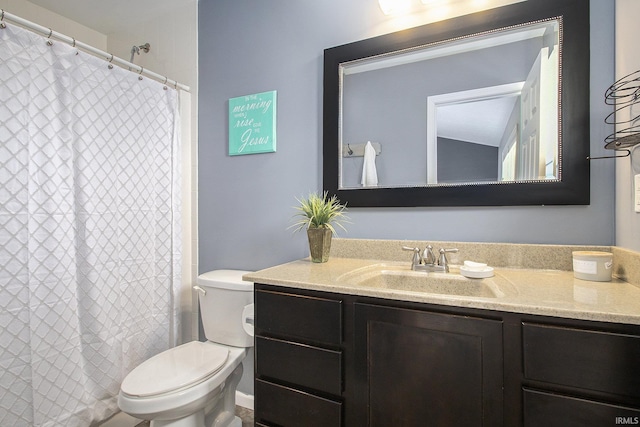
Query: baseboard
[{"x": 244, "y": 400}]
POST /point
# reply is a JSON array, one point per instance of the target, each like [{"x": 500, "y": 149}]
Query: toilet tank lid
[{"x": 225, "y": 279}]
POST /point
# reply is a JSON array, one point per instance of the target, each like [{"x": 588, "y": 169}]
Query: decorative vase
[{"x": 319, "y": 244}]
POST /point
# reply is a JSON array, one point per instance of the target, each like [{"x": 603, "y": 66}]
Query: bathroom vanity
[{"x": 541, "y": 348}]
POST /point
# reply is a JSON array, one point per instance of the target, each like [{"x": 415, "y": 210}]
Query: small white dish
[
  {"x": 476, "y": 274},
  {"x": 474, "y": 266}
]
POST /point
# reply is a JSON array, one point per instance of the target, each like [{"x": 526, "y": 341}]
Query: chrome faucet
[{"x": 426, "y": 260}]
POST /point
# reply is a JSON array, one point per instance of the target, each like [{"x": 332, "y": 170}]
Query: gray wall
[
  {"x": 462, "y": 161},
  {"x": 627, "y": 61},
  {"x": 245, "y": 202}
]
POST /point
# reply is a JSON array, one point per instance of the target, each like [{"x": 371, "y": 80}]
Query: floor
[{"x": 246, "y": 415}]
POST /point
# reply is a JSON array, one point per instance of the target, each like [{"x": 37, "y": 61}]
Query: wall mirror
[{"x": 485, "y": 109}]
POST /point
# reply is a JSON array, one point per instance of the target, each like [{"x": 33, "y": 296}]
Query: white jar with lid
[{"x": 596, "y": 266}]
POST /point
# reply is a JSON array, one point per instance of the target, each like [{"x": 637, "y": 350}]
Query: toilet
[{"x": 194, "y": 384}]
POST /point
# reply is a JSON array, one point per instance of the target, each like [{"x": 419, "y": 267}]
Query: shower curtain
[{"x": 89, "y": 229}]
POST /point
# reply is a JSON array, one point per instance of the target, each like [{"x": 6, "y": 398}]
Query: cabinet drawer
[
  {"x": 586, "y": 359},
  {"x": 300, "y": 364},
  {"x": 550, "y": 410},
  {"x": 309, "y": 319},
  {"x": 286, "y": 407}
]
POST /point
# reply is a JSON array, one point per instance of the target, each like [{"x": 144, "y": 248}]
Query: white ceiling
[
  {"x": 108, "y": 16},
  {"x": 483, "y": 121}
]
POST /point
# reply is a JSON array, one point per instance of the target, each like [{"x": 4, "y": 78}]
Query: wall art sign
[{"x": 252, "y": 124}]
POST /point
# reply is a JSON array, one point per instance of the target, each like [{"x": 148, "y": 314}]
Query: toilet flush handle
[
  {"x": 248, "y": 319},
  {"x": 199, "y": 289}
]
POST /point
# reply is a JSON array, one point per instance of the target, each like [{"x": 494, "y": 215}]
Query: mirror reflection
[{"x": 480, "y": 109}]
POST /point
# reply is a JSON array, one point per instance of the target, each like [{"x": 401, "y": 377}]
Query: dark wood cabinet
[
  {"x": 288, "y": 406},
  {"x": 580, "y": 374},
  {"x": 556, "y": 410},
  {"x": 421, "y": 368},
  {"x": 299, "y": 359},
  {"x": 325, "y": 359}
]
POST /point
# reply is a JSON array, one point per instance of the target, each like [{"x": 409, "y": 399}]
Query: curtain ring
[
  {"x": 141, "y": 70},
  {"x": 110, "y": 64},
  {"x": 49, "y": 42},
  {"x": 74, "y": 42},
  {"x": 2, "y": 24}
]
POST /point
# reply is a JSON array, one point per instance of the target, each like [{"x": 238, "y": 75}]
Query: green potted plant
[{"x": 319, "y": 214}]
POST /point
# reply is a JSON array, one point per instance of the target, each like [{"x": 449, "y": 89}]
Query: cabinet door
[
  {"x": 420, "y": 368},
  {"x": 582, "y": 358},
  {"x": 555, "y": 410},
  {"x": 283, "y": 406},
  {"x": 302, "y": 365},
  {"x": 298, "y": 317}
]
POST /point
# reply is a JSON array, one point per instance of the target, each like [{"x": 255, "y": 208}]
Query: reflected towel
[{"x": 369, "y": 173}]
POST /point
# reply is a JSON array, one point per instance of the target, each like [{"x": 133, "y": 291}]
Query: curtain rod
[{"x": 49, "y": 33}]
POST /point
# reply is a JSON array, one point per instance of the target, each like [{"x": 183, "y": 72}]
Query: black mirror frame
[{"x": 574, "y": 186}]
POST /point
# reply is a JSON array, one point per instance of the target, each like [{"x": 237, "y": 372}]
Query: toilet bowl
[{"x": 194, "y": 384}]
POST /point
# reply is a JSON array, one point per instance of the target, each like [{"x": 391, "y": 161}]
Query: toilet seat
[{"x": 174, "y": 369}]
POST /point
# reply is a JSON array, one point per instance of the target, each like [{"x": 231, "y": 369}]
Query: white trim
[{"x": 244, "y": 400}]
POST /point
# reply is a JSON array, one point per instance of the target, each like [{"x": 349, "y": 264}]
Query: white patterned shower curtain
[{"x": 89, "y": 230}]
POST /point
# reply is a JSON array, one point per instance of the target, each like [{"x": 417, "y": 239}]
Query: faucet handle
[
  {"x": 452, "y": 250},
  {"x": 417, "y": 259},
  {"x": 442, "y": 260}
]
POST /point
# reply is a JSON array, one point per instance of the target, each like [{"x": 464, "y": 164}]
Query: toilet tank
[{"x": 222, "y": 305}]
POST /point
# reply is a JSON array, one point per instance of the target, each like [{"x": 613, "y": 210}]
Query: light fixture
[{"x": 394, "y": 7}]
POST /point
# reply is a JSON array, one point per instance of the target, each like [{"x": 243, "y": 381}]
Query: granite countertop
[{"x": 549, "y": 292}]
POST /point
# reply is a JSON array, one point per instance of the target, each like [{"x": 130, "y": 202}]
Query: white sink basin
[{"x": 402, "y": 278}]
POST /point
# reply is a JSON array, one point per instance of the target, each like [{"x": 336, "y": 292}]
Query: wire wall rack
[{"x": 624, "y": 95}]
